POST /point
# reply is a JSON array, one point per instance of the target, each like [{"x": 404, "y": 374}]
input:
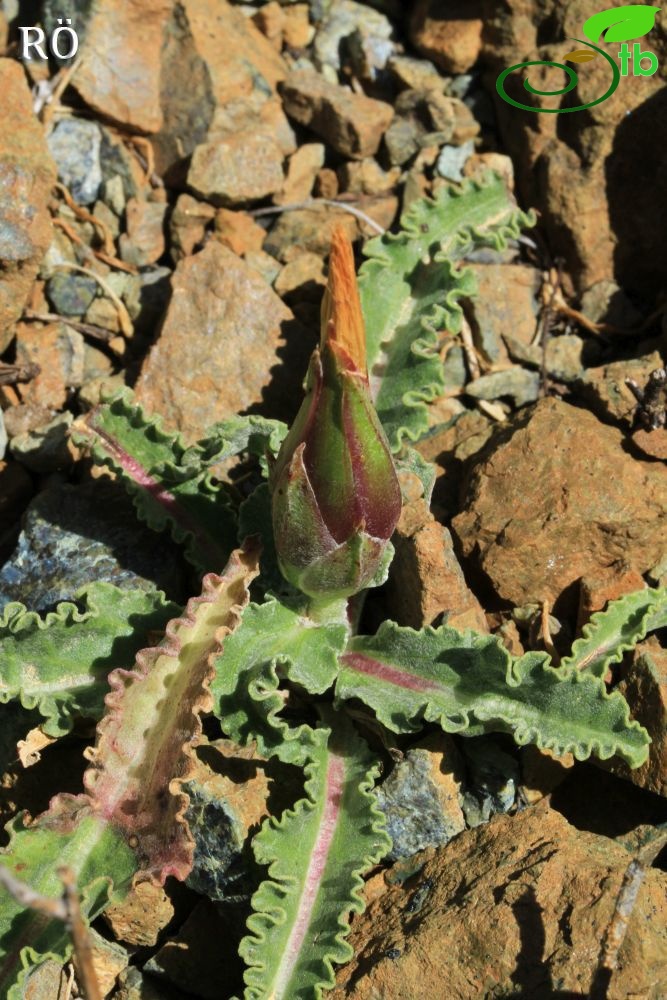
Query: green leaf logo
[{"x": 621, "y": 24}]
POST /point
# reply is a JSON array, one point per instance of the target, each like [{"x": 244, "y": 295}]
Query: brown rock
[
  {"x": 308, "y": 229},
  {"x": 520, "y": 905},
  {"x": 141, "y": 915},
  {"x": 238, "y": 56},
  {"x": 26, "y": 417},
  {"x": 326, "y": 185},
  {"x": 606, "y": 147},
  {"x": 352, "y": 124},
  {"x": 556, "y": 497},
  {"x": 425, "y": 579},
  {"x": 605, "y": 390},
  {"x": 270, "y": 19},
  {"x": 644, "y": 685},
  {"x": 238, "y": 231},
  {"x": 301, "y": 173},
  {"x": 144, "y": 242},
  {"x": 505, "y": 304},
  {"x": 479, "y": 164},
  {"x": 652, "y": 443},
  {"x": 26, "y": 175},
  {"x": 297, "y": 29},
  {"x": 120, "y": 78},
  {"x": 367, "y": 177},
  {"x": 304, "y": 269},
  {"x": 596, "y": 591},
  {"x": 231, "y": 171},
  {"x": 187, "y": 225},
  {"x": 226, "y": 61},
  {"x": 58, "y": 350},
  {"x": 108, "y": 959},
  {"x": 217, "y": 345},
  {"x": 449, "y": 32}
]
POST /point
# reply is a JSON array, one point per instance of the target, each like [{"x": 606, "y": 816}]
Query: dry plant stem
[
  {"x": 546, "y": 634},
  {"x": 469, "y": 349},
  {"x": 316, "y": 203},
  {"x": 123, "y": 315},
  {"x": 26, "y": 896},
  {"x": 98, "y": 332},
  {"x": 70, "y": 982},
  {"x": 86, "y": 216},
  {"x": 83, "y": 959},
  {"x": 59, "y": 82},
  {"x": 11, "y": 374},
  {"x": 119, "y": 265}
]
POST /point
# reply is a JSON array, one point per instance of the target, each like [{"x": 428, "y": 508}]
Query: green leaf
[
  {"x": 316, "y": 854},
  {"x": 170, "y": 483},
  {"x": 69, "y": 834},
  {"x": 59, "y": 664},
  {"x": 410, "y": 289},
  {"x": 611, "y": 633},
  {"x": 143, "y": 751},
  {"x": 622, "y": 24},
  {"x": 468, "y": 683},
  {"x": 272, "y": 640}
]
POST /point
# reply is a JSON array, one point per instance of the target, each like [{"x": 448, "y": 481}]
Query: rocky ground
[{"x": 168, "y": 200}]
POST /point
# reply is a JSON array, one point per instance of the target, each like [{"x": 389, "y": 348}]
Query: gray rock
[
  {"x": 493, "y": 777},
  {"x": 75, "y": 145},
  {"x": 70, "y": 294},
  {"x": 402, "y": 140},
  {"x": 421, "y": 799},
  {"x": 452, "y": 160},
  {"x": 344, "y": 18},
  {"x": 454, "y": 369},
  {"x": 75, "y": 534},
  {"x": 605, "y": 302},
  {"x": 522, "y": 386},
  {"x": 44, "y": 449}
]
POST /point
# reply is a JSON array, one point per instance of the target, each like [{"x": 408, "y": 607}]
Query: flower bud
[{"x": 335, "y": 494}]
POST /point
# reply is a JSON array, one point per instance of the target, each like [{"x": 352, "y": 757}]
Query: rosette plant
[{"x": 279, "y": 673}]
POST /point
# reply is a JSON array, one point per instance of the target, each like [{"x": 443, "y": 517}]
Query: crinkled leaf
[
  {"x": 410, "y": 289},
  {"x": 273, "y": 639},
  {"x": 316, "y": 854},
  {"x": 69, "y": 834},
  {"x": 143, "y": 746},
  {"x": 130, "y": 823},
  {"x": 170, "y": 483},
  {"x": 469, "y": 683},
  {"x": 611, "y": 633},
  {"x": 621, "y": 24},
  {"x": 59, "y": 663}
]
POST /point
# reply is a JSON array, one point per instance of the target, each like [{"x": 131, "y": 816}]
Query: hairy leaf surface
[
  {"x": 59, "y": 663},
  {"x": 410, "y": 289},
  {"x": 316, "y": 854},
  {"x": 142, "y": 753},
  {"x": 69, "y": 834},
  {"x": 616, "y": 630},
  {"x": 469, "y": 683},
  {"x": 170, "y": 483},
  {"x": 273, "y": 639}
]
